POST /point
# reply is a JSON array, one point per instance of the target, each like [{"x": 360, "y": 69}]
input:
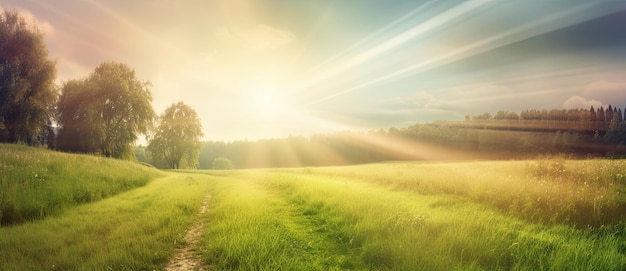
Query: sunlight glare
[
  {"x": 271, "y": 104},
  {"x": 267, "y": 99}
]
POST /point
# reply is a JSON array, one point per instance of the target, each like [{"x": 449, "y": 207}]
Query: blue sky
[{"x": 259, "y": 69}]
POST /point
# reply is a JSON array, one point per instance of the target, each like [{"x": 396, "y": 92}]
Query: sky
[{"x": 255, "y": 69}]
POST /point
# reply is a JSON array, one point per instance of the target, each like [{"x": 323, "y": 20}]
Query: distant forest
[{"x": 579, "y": 133}]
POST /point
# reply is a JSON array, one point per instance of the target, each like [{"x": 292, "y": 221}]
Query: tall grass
[
  {"x": 403, "y": 217},
  {"x": 394, "y": 230},
  {"x": 35, "y": 183},
  {"x": 134, "y": 230},
  {"x": 251, "y": 228},
  {"x": 581, "y": 193}
]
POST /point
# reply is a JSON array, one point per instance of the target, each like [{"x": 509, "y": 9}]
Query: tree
[
  {"x": 500, "y": 115},
  {"x": 176, "y": 140},
  {"x": 105, "y": 112},
  {"x": 76, "y": 114},
  {"x": 27, "y": 91},
  {"x": 592, "y": 114},
  {"x": 483, "y": 116},
  {"x": 601, "y": 118},
  {"x": 617, "y": 131},
  {"x": 592, "y": 118}
]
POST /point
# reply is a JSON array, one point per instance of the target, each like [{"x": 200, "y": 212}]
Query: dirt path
[{"x": 184, "y": 257}]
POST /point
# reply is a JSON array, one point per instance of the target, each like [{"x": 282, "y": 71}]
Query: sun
[
  {"x": 274, "y": 108},
  {"x": 267, "y": 99},
  {"x": 270, "y": 102},
  {"x": 276, "y": 111}
]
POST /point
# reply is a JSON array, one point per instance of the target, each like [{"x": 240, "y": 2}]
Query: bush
[{"x": 222, "y": 163}]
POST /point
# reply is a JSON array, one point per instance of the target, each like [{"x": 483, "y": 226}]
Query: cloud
[
  {"x": 578, "y": 102},
  {"x": 419, "y": 100},
  {"x": 599, "y": 93},
  {"x": 458, "y": 100},
  {"x": 267, "y": 37},
  {"x": 609, "y": 92},
  {"x": 253, "y": 39},
  {"x": 480, "y": 91}
]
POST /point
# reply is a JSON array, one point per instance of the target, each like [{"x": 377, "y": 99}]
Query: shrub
[{"x": 222, "y": 163}]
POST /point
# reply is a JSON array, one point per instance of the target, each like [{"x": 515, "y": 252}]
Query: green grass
[
  {"x": 549, "y": 214},
  {"x": 253, "y": 228},
  {"x": 581, "y": 193},
  {"x": 408, "y": 216},
  {"x": 135, "y": 230},
  {"x": 35, "y": 182}
]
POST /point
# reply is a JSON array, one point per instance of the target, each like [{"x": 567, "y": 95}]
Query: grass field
[
  {"x": 551, "y": 214},
  {"x": 35, "y": 183},
  {"x": 134, "y": 230},
  {"x": 401, "y": 216}
]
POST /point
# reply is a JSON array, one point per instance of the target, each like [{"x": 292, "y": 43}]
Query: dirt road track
[{"x": 184, "y": 257}]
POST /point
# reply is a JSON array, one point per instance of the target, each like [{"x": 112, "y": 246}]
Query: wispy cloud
[
  {"x": 259, "y": 38},
  {"x": 483, "y": 91},
  {"x": 609, "y": 92}
]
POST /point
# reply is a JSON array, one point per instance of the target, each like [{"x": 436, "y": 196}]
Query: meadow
[
  {"x": 545, "y": 214},
  {"x": 134, "y": 230},
  {"x": 420, "y": 216},
  {"x": 35, "y": 182}
]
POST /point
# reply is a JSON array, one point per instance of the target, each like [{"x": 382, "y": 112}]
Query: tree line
[
  {"x": 525, "y": 135},
  {"x": 583, "y": 120},
  {"x": 103, "y": 113}
]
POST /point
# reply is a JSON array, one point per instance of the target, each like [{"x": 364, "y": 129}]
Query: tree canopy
[
  {"x": 176, "y": 139},
  {"x": 27, "y": 91},
  {"x": 105, "y": 112}
]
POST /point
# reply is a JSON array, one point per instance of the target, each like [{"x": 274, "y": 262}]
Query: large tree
[
  {"x": 176, "y": 140},
  {"x": 105, "y": 112},
  {"x": 76, "y": 114},
  {"x": 27, "y": 91}
]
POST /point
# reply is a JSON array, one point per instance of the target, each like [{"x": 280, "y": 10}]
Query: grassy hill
[{"x": 35, "y": 182}]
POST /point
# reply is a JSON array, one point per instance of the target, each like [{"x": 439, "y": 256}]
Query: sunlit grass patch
[
  {"x": 251, "y": 228},
  {"x": 135, "y": 230},
  {"x": 577, "y": 192},
  {"x": 372, "y": 217},
  {"x": 36, "y": 182},
  {"x": 396, "y": 230}
]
